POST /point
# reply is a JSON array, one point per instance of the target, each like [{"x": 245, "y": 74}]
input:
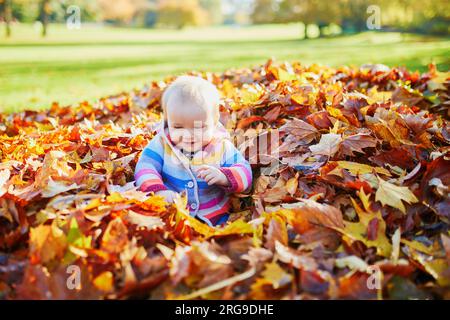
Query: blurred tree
[
  {"x": 25, "y": 10},
  {"x": 7, "y": 15},
  {"x": 44, "y": 12},
  {"x": 265, "y": 11},
  {"x": 120, "y": 11},
  {"x": 416, "y": 16},
  {"x": 180, "y": 13},
  {"x": 89, "y": 10},
  {"x": 214, "y": 10},
  {"x": 320, "y": 13},
  {"x": 354, "y": 14}
]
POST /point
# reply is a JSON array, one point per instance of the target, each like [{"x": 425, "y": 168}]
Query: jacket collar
[{"x": 219, "y": 134}]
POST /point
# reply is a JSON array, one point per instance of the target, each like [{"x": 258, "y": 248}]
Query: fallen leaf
[
  {"x": 328, "y": 145},
  {"x": 392, "y": 195}
]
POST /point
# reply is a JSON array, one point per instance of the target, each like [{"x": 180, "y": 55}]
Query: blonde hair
[{"x": 195, "y": 90}]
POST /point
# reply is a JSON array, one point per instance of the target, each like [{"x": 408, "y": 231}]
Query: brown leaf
[{"x": 356, "y": 143}]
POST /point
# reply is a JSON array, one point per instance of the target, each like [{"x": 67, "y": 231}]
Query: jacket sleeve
[
  {"x": 149, "y": 167},
  {"x": 237, "y": 169}
]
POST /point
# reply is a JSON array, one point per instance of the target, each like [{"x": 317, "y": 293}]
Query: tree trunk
[
  {"x": 8, "y": 17},
  {"x": 44, "y": 9}
]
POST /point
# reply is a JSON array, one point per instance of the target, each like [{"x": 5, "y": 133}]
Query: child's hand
[
  {"x": 168, "y": 195},
  {"x": 212, "y": 175}
]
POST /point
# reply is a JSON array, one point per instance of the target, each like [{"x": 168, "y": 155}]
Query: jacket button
[
  {"x": 190, "y": 184},
  {"x": 193, "y": 206}
]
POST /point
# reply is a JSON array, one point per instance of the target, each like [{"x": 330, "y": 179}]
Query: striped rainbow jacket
[{"x": 162, "y": 166}]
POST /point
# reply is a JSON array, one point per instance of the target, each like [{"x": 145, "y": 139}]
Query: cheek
[
  {"x": 207, "y": 135},
  {"x": 176, "y": 135}
]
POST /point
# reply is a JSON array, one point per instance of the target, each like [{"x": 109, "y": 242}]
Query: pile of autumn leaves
[{"x": 350, "y": 199}]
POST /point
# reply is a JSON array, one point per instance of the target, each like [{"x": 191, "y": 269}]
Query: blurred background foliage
[
  {"x": 330, "y": 17},
  {"x": 123, "y": 44}
]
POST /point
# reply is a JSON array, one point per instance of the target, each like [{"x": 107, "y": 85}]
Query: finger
[
  {"x": 206, "y": 173},
  {"x": 213, "y": 181},
  {"x": 210, "y": 175},
  {"x": 203, "y": 167},
  {"x": 203, "y": 174}
]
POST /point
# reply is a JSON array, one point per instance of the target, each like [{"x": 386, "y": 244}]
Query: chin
[{"x": 190, "y": 148}]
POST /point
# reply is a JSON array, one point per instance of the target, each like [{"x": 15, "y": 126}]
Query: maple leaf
[
  {"x": 275, "y": 275},
  {"x": 290, "y": 256},
  {"x": 89, "y": 151},
  {"x": 356, "y": 143},
  {"x": 309, "y": 213},
  {"x": 300, "y": 130},
  {"x": 328, "y": 145},
  {"x": 56, "y": 187},
  {"x": 438, "y": 80},
  {"x": 47, "y": 243},
  {"x": 104, "y": 281},
  {"x": 437, "y": 268},
  {"x": 276, "y": 231},
  {"x": 392, "y": 195},
  {"x": 292, "y": 185},
  {"x": 115, "y": 237},
  {"x": 141, "y": 220},
  {"x": 361, "y": 230},
  {"x": 360, "y": 168}
]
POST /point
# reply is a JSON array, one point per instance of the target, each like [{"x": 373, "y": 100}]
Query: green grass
[{"x": 74, "y": 65}]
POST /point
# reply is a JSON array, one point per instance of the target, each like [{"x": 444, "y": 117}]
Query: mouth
[{"x": 188, "y": 145}]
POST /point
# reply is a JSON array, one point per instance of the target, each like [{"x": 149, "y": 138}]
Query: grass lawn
[{"x": 73, "y": 65}]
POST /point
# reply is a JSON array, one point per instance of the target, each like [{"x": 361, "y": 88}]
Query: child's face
[{"x": 190, "y": 126}]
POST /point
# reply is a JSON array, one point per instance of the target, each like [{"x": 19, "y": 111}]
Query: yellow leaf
[
  {"x": 336, "y": 113},
  {"x": 250, "y": 95},
  {"x": 104, "y": 281},
  {"x": 276, "y": 275},
  {"x": 437, "y": 83},
  {"x": 155, "y": 204},
  {"x": 115, "y": 197},
  {"x": 47, "y": 243},
  {"x": 357, "y": 231},
  {"x": 291, "y": 185},
  {"x": 375, "y": 96},
  {"x": 300, "y": 98},
  {"x": 419, "y": 246},
  {"x": 227, "y": 88},
  {"x": 236, "y": 227},
  {"x": 198, "y": 226},
  {"x": 437, "y": 268},
  {"x": 359, "y": 168},
  {"x": 393, "y": 195},
  {"x": 286, "y": 76}
]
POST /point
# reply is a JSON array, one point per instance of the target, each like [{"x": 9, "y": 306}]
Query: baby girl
[{"x": 192, "y": 152}]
